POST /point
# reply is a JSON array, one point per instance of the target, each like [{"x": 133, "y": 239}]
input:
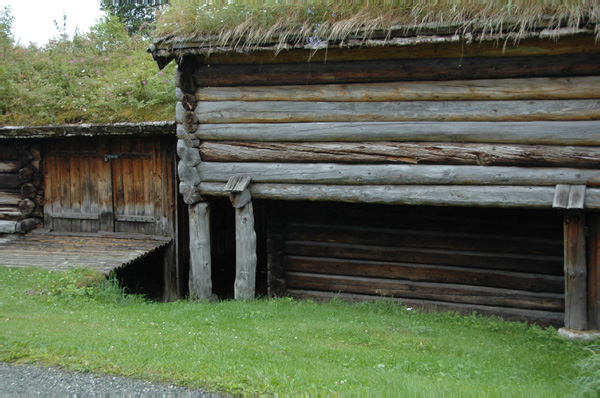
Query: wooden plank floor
[{"x": 102, "y": 251}]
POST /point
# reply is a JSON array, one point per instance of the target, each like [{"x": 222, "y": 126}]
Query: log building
[
  {"x": 101, "y": 196},
  {"x": 423, "y": 166}
]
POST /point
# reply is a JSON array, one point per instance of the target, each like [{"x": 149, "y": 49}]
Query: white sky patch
[{"x": 34, "y": 19}]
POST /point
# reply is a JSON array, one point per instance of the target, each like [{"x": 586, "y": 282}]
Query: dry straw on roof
[{"x": 244, "y": 26}]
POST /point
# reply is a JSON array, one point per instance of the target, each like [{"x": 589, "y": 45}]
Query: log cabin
[
  {"x": 448, "y": 166},
  {"x": 99, "y": 196}
]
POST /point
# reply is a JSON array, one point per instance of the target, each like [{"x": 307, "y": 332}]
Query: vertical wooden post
[
  {"x": 245, "y": 237},
  {"x": 200, "y": 282},
  {"x": 575, "y": 272},
  {"x": 245, "y": 252},
  {"x": 594, "y": 272}
]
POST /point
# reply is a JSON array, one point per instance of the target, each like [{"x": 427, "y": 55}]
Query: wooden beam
[
  {"x": 10, "y": 166},
  {"x": 89, "y": 130},
  {"x": 538, "y": 264},
  {"x": 447, "y": 292},
  {"x": 448, "y": 48},
  {"x": 536, "y": 133},
  {"x": 516, "y": 314},
  {"x": 7, "y": 227},
  {"x": 586, "y": 64},
  {"x": 549, "y": 88},
  {"x": 9, "y": 198},
  {"x": 432, "y": 195},
  {"x": 245, "y": 253},
  {"x": 405, "y": 152},
  {"x": 10, "y": 181},
  {"x": 392, "y": 174},
  {"x": 575, "y": 272},
  {"x": 301, "y": 112},
  {"x": 200, "y": 282}
]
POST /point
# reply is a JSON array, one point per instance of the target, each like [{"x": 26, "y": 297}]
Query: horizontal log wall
[
  {"x": 547, "y": 127},
  {"x": 479, "y": 261},
  {"x": 21, "y": 186},
  {"x": 497, "y": 132}
]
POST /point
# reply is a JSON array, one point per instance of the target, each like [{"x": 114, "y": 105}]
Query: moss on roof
[{"x": 248, "y": 25}]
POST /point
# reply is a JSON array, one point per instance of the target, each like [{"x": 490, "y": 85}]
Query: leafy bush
[{"x": 105, "y": 75}]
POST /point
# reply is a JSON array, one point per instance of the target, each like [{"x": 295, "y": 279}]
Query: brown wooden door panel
[
  {"x": 75, "y": 193},
  {"x": 135, "y": 204},
  {"x": 121, "y": 185}
]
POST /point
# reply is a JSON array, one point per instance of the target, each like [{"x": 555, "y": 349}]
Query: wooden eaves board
[{"x": 104, "y": 252}]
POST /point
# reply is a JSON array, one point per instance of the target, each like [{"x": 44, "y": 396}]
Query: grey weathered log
[
  {"x": 496, "y": 89},
  {"x": 245, "y": 253},
  {"x": 393, "y": 174},
  {"x": 27, "y": 225},
  {"x": 187, "y": 154},
  {"x": 575, "y": 272},
  {"x": 188, "y": 174},
  {"x": 299, "y": 112},
  {"x": 26, "y": 206},
  {"x": 179, "y": 112},
  {"x": 10, "y": 166},
  {"x": 190, "y": 193},
  {"x": 178, "y": 93},
  {"x": 9, "y": 198},
  {"x": 7, "y": 227},
  {"x": 433, "y": 195},
  {"x": 190, "y": 139},
  {"x": 537, "y": 133},
  {"x": 200, "y": 279},
  {"x": 405, "y": 152}
]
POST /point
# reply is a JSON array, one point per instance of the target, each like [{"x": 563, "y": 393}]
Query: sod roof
[{"x": 192, "y": 28}]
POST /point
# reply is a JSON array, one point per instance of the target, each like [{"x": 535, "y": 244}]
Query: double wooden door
[{"x": 111, "y": 184}]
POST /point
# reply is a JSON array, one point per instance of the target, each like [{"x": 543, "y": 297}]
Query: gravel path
[{"x": 35, "y": 380}]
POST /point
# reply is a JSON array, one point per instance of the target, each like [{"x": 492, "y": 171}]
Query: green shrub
[{"x": 102, "y": 76}]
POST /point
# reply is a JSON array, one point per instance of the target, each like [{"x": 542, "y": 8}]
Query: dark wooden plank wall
[
  {"x": 21, "y": 183},
  {"x": 511, "y": 260}
]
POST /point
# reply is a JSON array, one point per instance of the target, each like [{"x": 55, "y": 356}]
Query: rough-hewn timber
[
  {"x": 405, "y": 152},
  {"x": 536, "y": 133}
]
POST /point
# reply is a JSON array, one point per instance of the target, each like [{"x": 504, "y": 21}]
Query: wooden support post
[
  {"x": 575, "y": 272},
  {"x": 593, "y": 271},
  {"x": 245, "y": 253},
  {"x": 245, "y": 238},
  {"x": 200, "y": 282}
]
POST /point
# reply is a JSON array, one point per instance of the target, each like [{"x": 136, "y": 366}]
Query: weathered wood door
[{"x": 117, "y": 185}]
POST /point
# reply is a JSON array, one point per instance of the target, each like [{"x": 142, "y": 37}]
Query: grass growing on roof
[
  {"x": 281, "y": 346},
  {"x": 102, "y": 76},
  {"x": 248, "y": 24}
]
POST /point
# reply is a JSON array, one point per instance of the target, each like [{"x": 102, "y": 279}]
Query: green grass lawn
[{"x": 281, "y": 346}]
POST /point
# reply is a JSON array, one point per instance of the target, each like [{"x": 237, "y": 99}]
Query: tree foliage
[
  {"x": 104, "y": 75},
  {"x": 137, "y": 15}
]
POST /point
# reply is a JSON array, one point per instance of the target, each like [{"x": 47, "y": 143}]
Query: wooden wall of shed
[
  {"x": 21, "y": 184},
  {"x": 482, "y": 131},
  {"x": 494, "y": 261}
]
